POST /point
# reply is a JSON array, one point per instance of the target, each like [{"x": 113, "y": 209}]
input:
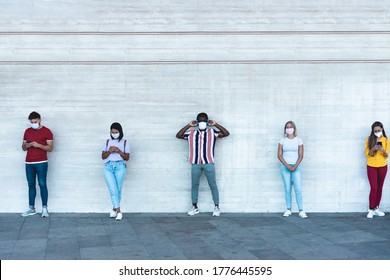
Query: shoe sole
[
  {"x": 193, "y": 214},
  {"x": 216, "y": 215},
  {"x": 28, "y": 215}
]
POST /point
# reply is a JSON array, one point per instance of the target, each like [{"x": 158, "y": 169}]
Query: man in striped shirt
[{"x": 201, "y": 143}]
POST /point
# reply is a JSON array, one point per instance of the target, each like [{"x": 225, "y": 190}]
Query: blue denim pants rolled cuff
[
  {"x": 290, "y": 179},
  {"x": 34, "y": 171},
  {"x": 114, "y": 174},
  {"x": 209, "y": 171}
]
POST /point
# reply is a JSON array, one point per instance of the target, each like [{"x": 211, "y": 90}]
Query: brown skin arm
[
  {"x": 25, "y": 145},
  {"x": 48, "y": 147},
  {"x": 280, "y": 157},
  {"x": 300, "y": 157},
  {"x": 223, "y": 131},
  {"x": 125, "y": 156},
  {"x": 105, "y": 154},
  {"x": 180, "y": 134},
  {"x": 377, "y": 148}
]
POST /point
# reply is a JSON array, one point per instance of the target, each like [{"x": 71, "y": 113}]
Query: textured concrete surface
[
  {"x": 174, "y": 236},
  {"x": 153, "y": 65}
]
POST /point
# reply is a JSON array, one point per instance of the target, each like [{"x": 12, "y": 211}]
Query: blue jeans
[
  {"x": 32, "y": 172},
  {"x": 114, "y": 174},
  {"x": 209, "y": 171},
  {"x": 289, "y": 179}
]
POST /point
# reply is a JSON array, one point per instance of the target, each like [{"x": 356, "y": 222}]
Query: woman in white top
[
  {"x": 115, "y": 154},
  {"x": 290, "y": 154}
]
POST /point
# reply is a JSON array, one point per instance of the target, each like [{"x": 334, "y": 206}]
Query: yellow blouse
[{"x": 378, "y": 159}]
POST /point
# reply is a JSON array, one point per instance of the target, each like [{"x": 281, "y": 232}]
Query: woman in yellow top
[{"x": 377, "y": 150}]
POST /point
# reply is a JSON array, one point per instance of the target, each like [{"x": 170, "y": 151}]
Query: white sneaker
[
  {"x": 45, "y": 213},
  {"x": 112, "y": 214},
  {"x": 287, "y": 213},
  {"x": 378, "y": 212},
  {"x": 119, "y": 216},
  {"x": 193, "y": 211},
  {"x": 370, "y": 214},
  {"x": 302, "y": 214},
  {"x": 216, "y": 212},
  {"x": 28, "y": 212}
]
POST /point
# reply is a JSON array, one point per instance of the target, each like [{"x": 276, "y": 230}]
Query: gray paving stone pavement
[{"x": 175, "y": 236}]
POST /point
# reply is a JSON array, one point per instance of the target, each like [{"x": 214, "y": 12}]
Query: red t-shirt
[{"x": 40, "y": 136}]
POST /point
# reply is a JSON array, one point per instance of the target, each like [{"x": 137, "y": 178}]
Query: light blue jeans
[
  {"x": 209, "y": 171},
  {"x": 289, "y": 179},
  {"x": 114, "y": 174}
]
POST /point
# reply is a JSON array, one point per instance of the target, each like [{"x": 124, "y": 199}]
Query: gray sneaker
[
  {"x": 45, "y": 213},
  {"x": 28, "y": 212}
]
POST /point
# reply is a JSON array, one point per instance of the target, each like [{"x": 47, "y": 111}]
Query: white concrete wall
[{"x": 153, "y": 65}]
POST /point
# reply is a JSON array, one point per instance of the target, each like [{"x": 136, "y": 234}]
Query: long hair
[
  {"x": 118, "y": 127},
  {"x": 293, "y": 125},
  {"x": 372, "y": 139}
]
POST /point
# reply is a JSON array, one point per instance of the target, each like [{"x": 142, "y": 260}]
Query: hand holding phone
[{"x": 113, "y": 149}]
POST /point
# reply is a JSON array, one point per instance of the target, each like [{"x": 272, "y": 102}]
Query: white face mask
[
  {"x": 289, "y": 131},
  {"x": 378, "y": 134},
  {"x": 202, "y": 125},
  {"x": 115, "y": 135},
  {"x": 35, "y": 125}
]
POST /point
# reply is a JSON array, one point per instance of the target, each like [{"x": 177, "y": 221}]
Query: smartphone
[{"x": 379, "y": 143}]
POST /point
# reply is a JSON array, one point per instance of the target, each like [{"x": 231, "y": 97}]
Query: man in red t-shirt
[{"x": 37, "y": 141}]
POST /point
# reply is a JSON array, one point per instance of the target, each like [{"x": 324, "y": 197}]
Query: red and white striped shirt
[{"x": 201, "y": 145}]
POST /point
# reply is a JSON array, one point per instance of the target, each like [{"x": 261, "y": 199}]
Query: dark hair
[
  {"x": 202, "y": 115},
  {"x": 34, "y": 115},
  {"x": 118, "y": 127},
  {"x": 372, "y": 138}
]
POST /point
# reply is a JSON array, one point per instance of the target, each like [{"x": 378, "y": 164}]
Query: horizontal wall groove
[
  {"x": 191, "y": 33},
  {"x": 381, "y": 61}
]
